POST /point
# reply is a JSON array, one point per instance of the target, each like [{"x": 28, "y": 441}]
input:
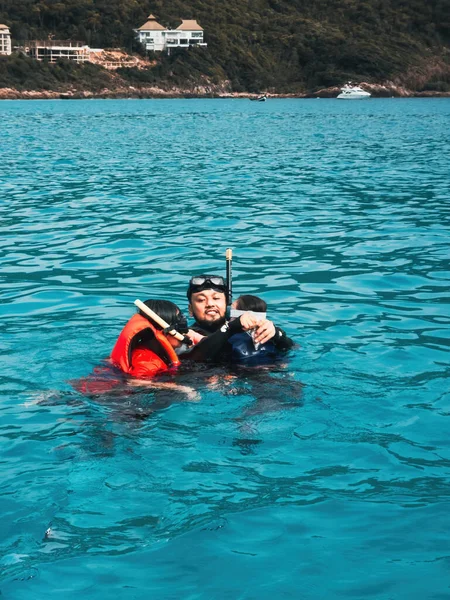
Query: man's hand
[
  {"x": 264, "y": 332},
  {"x": 249, "y": 321}
]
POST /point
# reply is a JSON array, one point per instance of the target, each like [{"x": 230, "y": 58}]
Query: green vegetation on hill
[
  {"x": 284, "y": 45},
  {"x": 23, "y": 73}
]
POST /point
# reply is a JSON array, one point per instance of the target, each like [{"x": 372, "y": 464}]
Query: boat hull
[
  {"x": 353, "y": 92},
  {"x": 348, "y": 97}
]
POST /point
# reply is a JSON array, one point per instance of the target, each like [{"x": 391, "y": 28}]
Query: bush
[
  {"x": 256, "y": 44},
  {"x": 436, "y": 86}
]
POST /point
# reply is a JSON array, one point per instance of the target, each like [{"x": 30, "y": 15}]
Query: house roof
[
  {"x": 187, "y": 25},
  {"x": 4, "y": 27},
  {"x": 152, "y": 25}
]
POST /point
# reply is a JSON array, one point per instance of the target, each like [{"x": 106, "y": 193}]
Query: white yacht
[{"x": 353, "y": 92}]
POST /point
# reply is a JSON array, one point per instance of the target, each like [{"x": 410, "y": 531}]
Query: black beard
[{"x": 209, "y": 327}]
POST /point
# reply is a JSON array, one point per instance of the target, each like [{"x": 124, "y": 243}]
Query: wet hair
[
  {"x": 168, "y": 311},
  {"x": 249, "y": 302}
]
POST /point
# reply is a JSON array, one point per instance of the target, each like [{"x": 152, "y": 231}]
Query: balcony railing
[{"x": 55, "y": 44}]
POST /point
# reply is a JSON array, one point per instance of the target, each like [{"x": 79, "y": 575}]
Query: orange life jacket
[
  {"x": 137, "y": 360},
  {"x": 101, "y": 382}
]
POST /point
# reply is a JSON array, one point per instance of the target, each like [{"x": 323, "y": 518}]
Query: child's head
[
  {"x": 249, "y": 302},
  {"x": 171, "y": 314},
  {"x": 168, "y": 311}
]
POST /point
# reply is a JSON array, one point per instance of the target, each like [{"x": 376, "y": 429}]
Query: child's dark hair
[
  {"x": 168, "y": 311},
  {"x": 249, "y": 302}
]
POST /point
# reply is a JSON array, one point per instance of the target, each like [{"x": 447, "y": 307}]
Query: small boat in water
[
  {"x": 262, "y": 98},
  {"x": 353, "y": 92}
]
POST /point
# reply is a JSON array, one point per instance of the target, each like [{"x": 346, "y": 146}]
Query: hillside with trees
[{"x": 287, "y": 46}]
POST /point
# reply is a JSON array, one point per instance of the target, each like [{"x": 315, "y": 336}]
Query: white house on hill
[
  {"x": 5, "y": 40},
  {"x": 152, "y": 35},
  {"x": 155, "y": 36}
]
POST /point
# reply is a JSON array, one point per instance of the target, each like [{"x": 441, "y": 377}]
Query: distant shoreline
[
  {"x": 387, "y": 89},
  {"x": 12, "y": 94}
]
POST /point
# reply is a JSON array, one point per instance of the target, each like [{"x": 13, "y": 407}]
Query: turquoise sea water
[{"x": 328, "y": 478}]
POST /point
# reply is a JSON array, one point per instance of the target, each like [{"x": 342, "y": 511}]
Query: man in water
[{"x": 207, "y": 295}]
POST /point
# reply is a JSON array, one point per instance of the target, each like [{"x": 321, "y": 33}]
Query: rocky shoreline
[{"x": 386, "y": 90}]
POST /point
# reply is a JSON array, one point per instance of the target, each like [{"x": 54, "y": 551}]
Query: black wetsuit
[
  {"x": 215, "y": 344},
  {"x": 220, "y": 350}
]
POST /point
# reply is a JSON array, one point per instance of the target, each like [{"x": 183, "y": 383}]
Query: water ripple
[{"x": 338, "y": 214}]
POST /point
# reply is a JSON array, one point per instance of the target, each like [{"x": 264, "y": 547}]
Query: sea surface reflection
[{"x": 326, "y": 478}]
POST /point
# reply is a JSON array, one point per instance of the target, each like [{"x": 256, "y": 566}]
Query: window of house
[{"x": 196, "y": 34}]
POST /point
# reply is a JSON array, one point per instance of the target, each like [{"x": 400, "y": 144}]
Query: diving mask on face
[
  {"x": 180, "y": 324},
  {"x": 212, "y": 279},
  {"x": 198, "y": 283}
]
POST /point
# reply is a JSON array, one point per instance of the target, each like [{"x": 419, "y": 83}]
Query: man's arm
[
  {"x": 267, "y": 332},
  {"x": 281, "y": 341},
  {"x": 210, "y": 347}
]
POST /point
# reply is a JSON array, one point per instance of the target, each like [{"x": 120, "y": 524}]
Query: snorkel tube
[
  {"x": 165, "y": 326},
  {"x": 229, "y": 260}
]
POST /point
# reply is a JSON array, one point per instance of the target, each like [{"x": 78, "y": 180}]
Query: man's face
[{"x": 208, "y": 306}]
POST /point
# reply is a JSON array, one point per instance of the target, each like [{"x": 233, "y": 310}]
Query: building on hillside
[
  {"x": 189, "y": 33},
  {"x": 152, "y": 35},
  {"x": 5, "y": 40},
  {"x": 53, "y": 50},
  {"x": 156, "y": 37}
]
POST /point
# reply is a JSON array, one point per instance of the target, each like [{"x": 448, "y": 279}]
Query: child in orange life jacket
[{"x": 143, "y": 349}]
